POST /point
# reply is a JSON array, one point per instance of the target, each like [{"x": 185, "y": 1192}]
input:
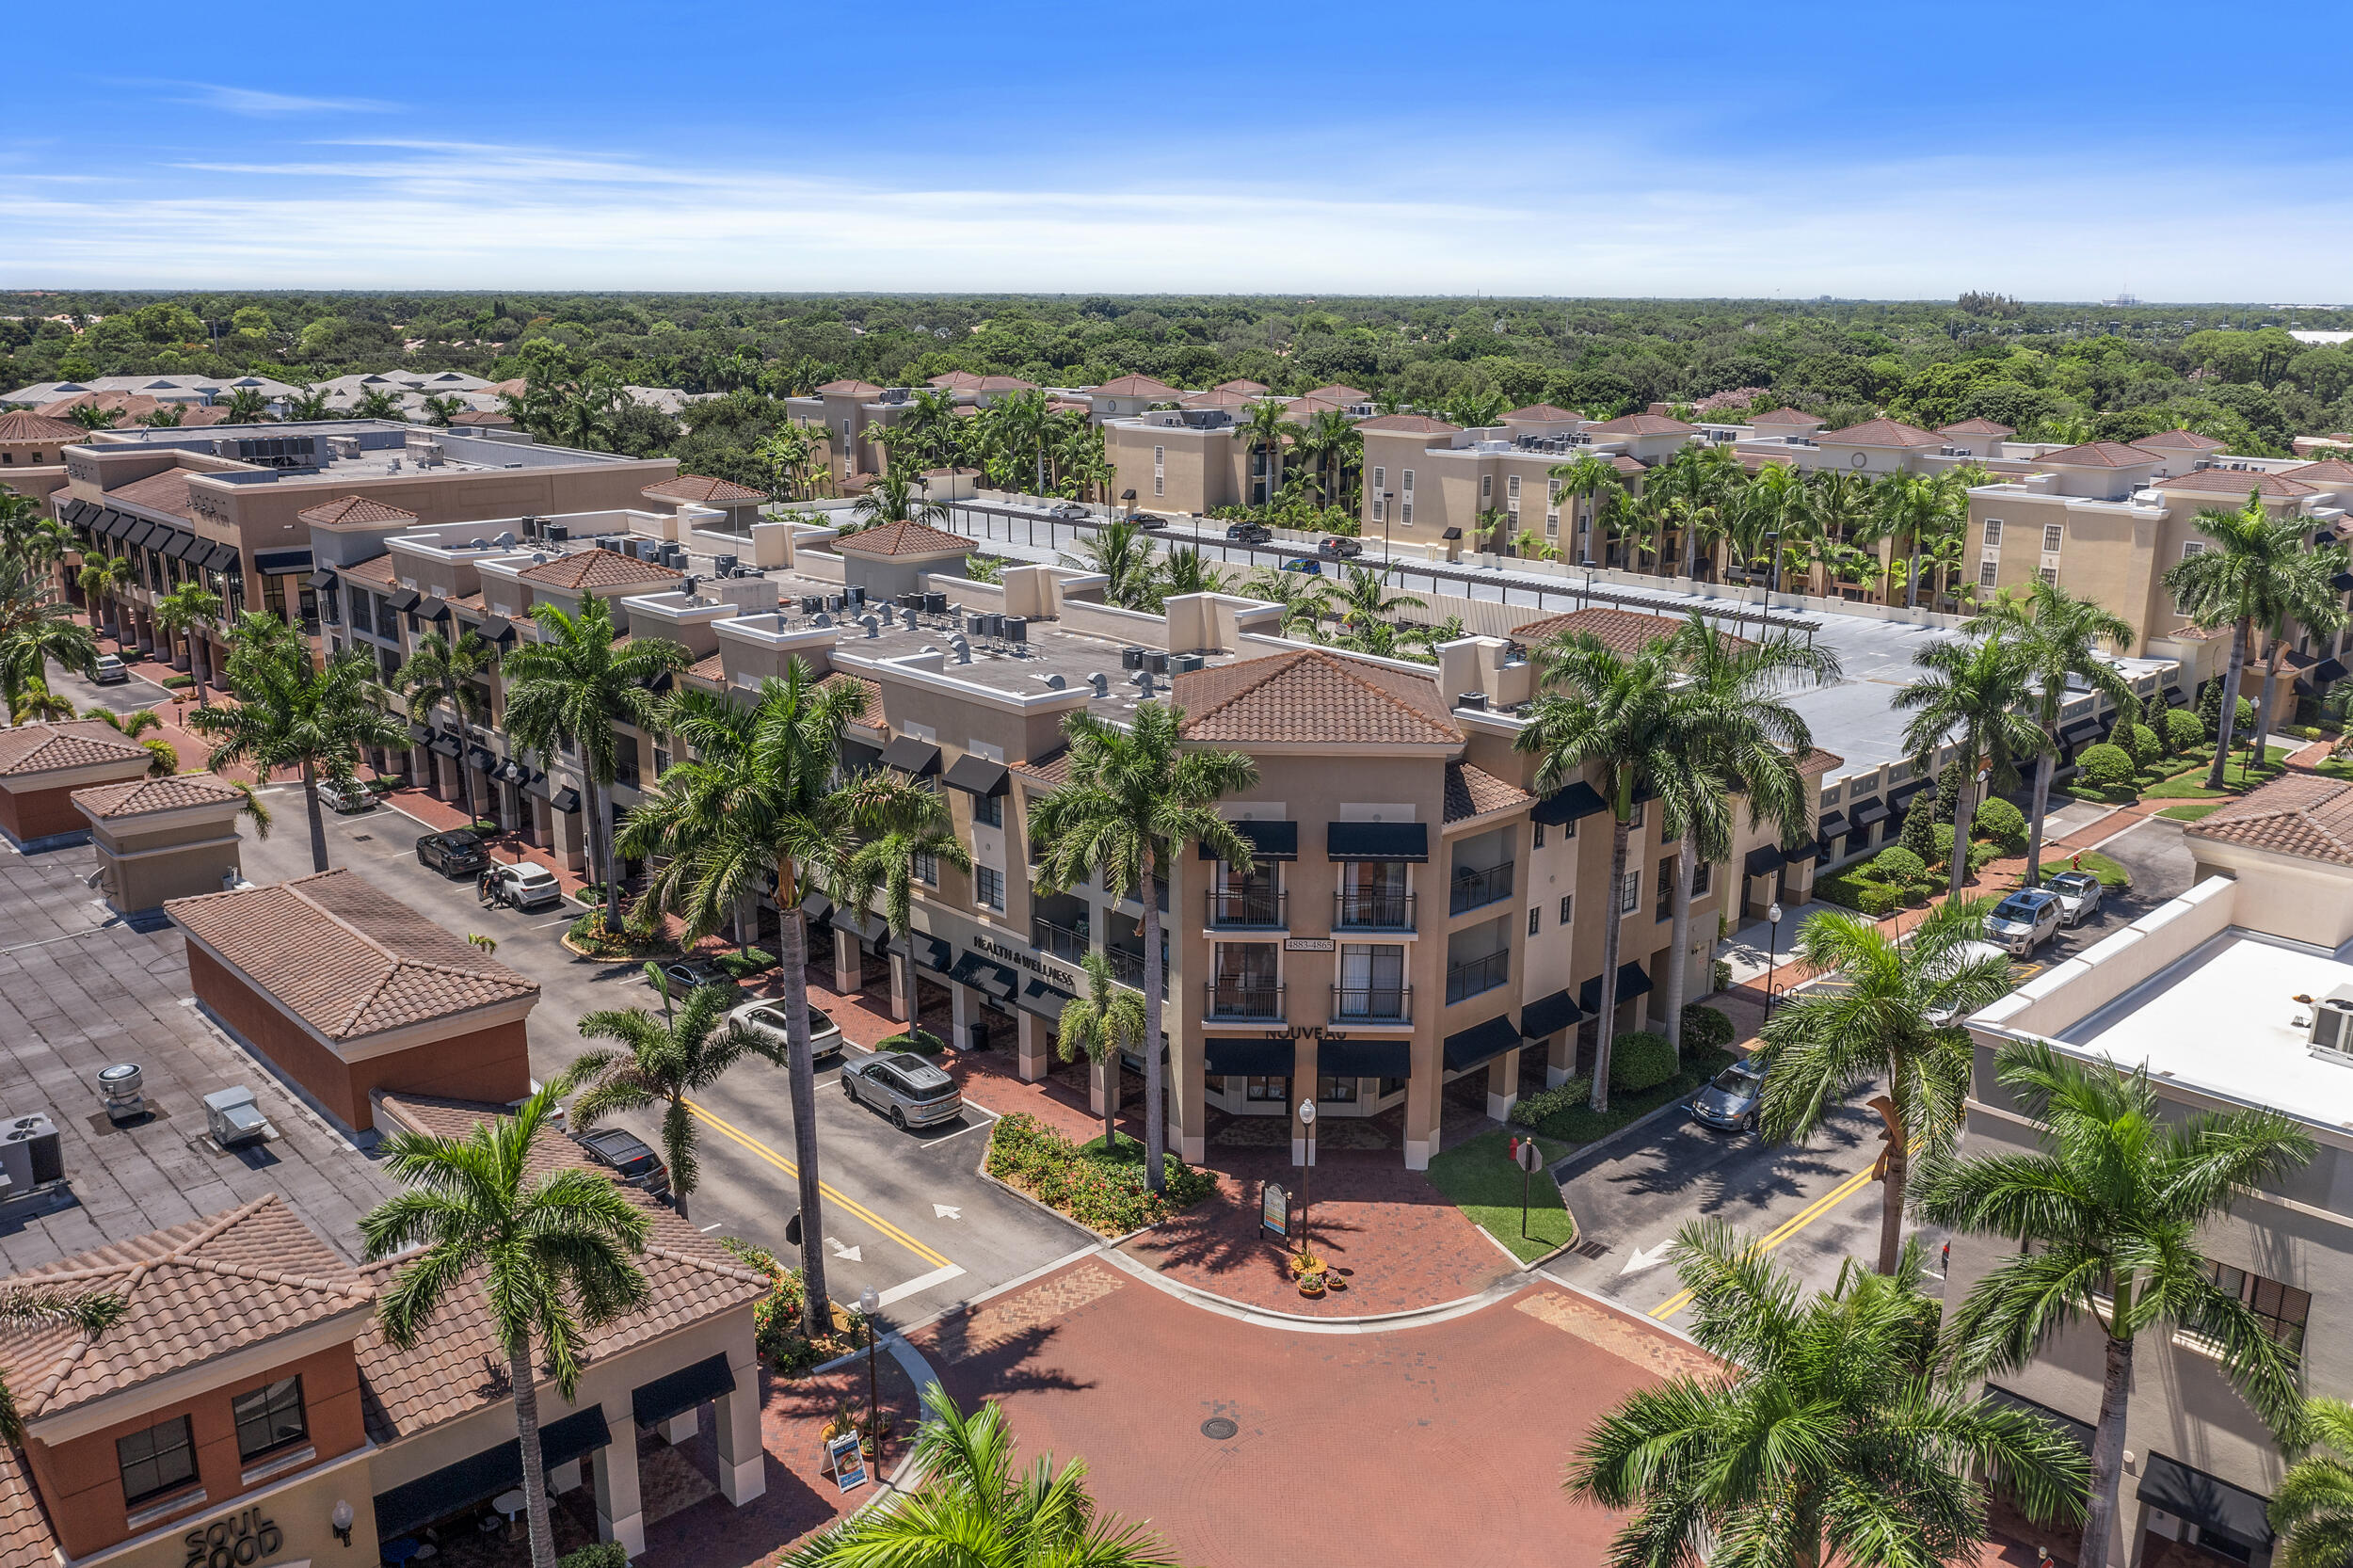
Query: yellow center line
[
  {"x": 763, "y": 1151},
  {"x": 1797, "y": 1222}
]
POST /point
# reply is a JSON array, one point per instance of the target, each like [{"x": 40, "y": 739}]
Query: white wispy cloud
[{"x": 256, "y": 103}]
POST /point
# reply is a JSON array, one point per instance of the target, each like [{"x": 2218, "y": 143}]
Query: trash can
[{"x": 976, "y": 1037}]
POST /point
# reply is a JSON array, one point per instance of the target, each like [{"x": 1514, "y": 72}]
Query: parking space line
[
  {"x": 763, "y": 1151},
  {"x": 1790, "y": 1227}
]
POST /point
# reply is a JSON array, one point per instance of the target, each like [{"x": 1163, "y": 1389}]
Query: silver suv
[{"x": 905, "y": 1087}]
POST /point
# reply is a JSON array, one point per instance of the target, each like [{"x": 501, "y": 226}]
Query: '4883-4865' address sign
[{"x": 238, "y": 1542}]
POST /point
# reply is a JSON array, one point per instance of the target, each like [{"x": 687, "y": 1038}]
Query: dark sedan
[{"x": 456, "y": 853}]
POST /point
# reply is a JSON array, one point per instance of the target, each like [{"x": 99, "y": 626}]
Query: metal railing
[
  {"x": 1480, "y": 974},
  {"x": 1380, "y": 911},
  {"x": 1060, "y": 940},
  {"x": 1258, "y": 908},
  {"x": 1236, "y": 998},
  {"x": 1128, "y": 968},
  {"x": 1470, "y": 890},
  {"x": 1373, "y": 1003}
]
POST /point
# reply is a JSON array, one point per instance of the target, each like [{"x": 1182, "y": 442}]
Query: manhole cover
[{"x": 1219, "y": 1427}]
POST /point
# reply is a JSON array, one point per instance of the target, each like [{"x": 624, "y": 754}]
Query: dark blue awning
[
  {"x": 1764, "y": 861},
  {"x": 483, "y": 1475},
  {"x": 1563, "y": 807},
  {"x": 1632, "y": 982},
  {"x": 1550, "y": 1015},
  {"x": 1483, "y": 1042},
  {"x": 932, "y": 953},
  {"x": 676, "y": 1393},
  {"x": 1246, "y": 1058},
  {"x": 1365, "y": 1058},
  {"x": 1869, "y": 811},
  {"x": 2207, "y": 1500},
  {"x": 1376, "y": 840},
  {"x": 1269, "y": 841}
]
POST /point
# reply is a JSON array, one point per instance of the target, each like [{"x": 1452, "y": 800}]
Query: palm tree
[
  {"x": 569, "y": 688},
  {"x": 1102, "y": 1027},
  {"x": 753, "y": 809},
  {"x": 92, "y": 416},
  {"x": 247, "y": 405},
  {"x": 897, "y": 822},
  {"x": 104, "y": 577},
  {"x": 1327, "y": 441},
  {"x": 891, "y": 499},
  {"x": 377, "y": 403},
  {"x": 1306, "y": 600},
  {"x": 1881, "y": 1021},
  {"x": 1362, "y": 600},
  {"x": 439, "y": 410},
  {"x": 1132, "y": 800},
  {"x": 2245, "y": 577},
  {"x": 2107, "y": 1219},
  {"x": 1972, "y": 695},
  {"x": 661, "y": 1064},
  {"x": 2058, "y": 635},
  {"x": 179, "y": 613},
  {"x": 163, "y": 758},
  {"x": 1187, "y": 571},
  {"x": 1584, "y": 478},
  {"x": 2306, "y": 600},
  {"x": 1747, "y": 741},
  {"x": 2311, "y": 1508},
  {"x": 1121, "y": 552},
  {"x": 1265, "y": 428},
  {"x": 1828, "y": 1435},
  {"x": 790, "y": 454},
  {"x": 291, "y": 716},
  {"x": 552, "y": 1258},
  {"x": 40, "y": 705},
  {"x": 441, "y": 671},
  {"x": 1626, "y": 717},
  {"x": 28, "y": 1306},
  {"x": 975, "y": 1505},
  {"x": 308, "y": 404},
  {"x": 1019, "y": 423},
  {"x": 36, "y": 627}
]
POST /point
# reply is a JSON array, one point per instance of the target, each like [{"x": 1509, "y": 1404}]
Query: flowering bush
[
  {"x": 1103, "y": 1192},
  {"x": 777, "y": 1315}
]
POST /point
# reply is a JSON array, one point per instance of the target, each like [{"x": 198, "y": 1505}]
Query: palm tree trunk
[
  {"x": 2223, "y": 721},
  {"x": 1963, "y": 808},
  {"x": 2044, "y": 766},
  {"x": 793, "y": 948},
  {"x": 523, "y": 1377},
  {"x": 1115, "y": 1079},
  {"x": 2263, "y": 699},
  {"x": 1897, "y": 1179},
  {"x": 2107, "y": 1454},
  {"x": 1678, "y": 955},
  {"x": 915, "y": 994},
  {"x": 602, "y": 849},
  {"x": 1155, "y": 1090},
  {"x": 318, "y": 818},
  {"x": 1912, "y": 577},
  {"x": 1603, "y": 1025}
]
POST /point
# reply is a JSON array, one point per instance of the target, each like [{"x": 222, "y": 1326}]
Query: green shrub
[
  {"x": 1642, "y": 1060},
  {"x": 743, "y": 966},
  {"x": 1897, "y": 866},
  {"x": 2001, "y": 822},
  {"x": 2182, "y": 730},
  {"x": 2104, "y": 766},
  {"x": 1983, "y": 855},
  {"x": 1102, "y": 1192},
  {"x": 775, "y": 1325},
  {"x": 177, "y": 682},
  {"x": 2146, "y": 747},
  {"x": 1532, "y": 1109},
  {"x": 1875, "y": 900},
  {"x": 597, "y": 1554},
  {"x": 1924, "y": 823},
  {"x": 1706, "y": 1028},
  {"x": 918, "y": 1040},
  {"x": 1853, "y": 888}
]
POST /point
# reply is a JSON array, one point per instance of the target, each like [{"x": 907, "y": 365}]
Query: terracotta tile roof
[
  {"x": 1881, "y": 432},
  {"x": 904, "y": 538},
  {"x": 31, "y": 748},
  {"x": 2180, "y": 440},
  {"x": 355, "y": 509},
  {"x": 1626, "y": 631},
  {"x": 695, "y": 487},
  {"x": 1137, "y": 386},
  {"x": 22, "y": 425},
  {"x": 1819, "y": 760},
  {"x": 1975, "y": 428},
  {"x": 956, "y": 380},
  {"x": 1643, "y": 424},
  {"x": 1220, "y": 397},
  {"x": 344, "y": 957},
  {"x": 1312, "y": 696},
  {"x": 2299, "y": 814},
  {"x": 2327, "y": 473},
  {"x": 195, "y": 414},
  {"x": 1309, "y": 404},
  {"x": 848, "y": 388},
  {"x": 140, "y": 796},
  {"x": 1541, "y": 414},
  {"x": 471, "y": 601},
  {"x": 1052, "y": 770},
  {"x": 1418, "y": 424},
  {"x": 2101, "y": 455},
  {"x": 869, "y": 687},
  {"x": 1793, "y": 417},
  {"x": 1474, "y": 791},
  {"x": 586, "y": 569},
  {"x": 167, "y": 492},
  {"x": 375, "y": 572},
  {"x": 1005, "y": 384},
  {"x": 482, "y": 417},
  {"x": 1338, "y": 392},
  {"x": 1068, "y": 406},
  {"x": 1624, "y": 464},
  {"x": 190, "y": 1293},
  {"x": 2223, "y": 481},
  {"x": 712, "y": 669},
  {"x": 26, "y": 1539},
  {"x": 2200, "y": 634},
  {"x": 1256, "y": 388},
  {"x": 443, "y": 1376}
]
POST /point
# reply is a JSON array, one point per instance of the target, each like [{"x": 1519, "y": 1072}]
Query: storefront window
[
  {"x": 1277, "y": 1090},
  {"x": 1390, "y": 1086},
  {"x": 1336, "y": 1091}
]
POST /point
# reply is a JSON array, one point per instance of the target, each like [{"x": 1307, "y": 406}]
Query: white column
[
  {"x": 1100, "y": 1085},
  {"x": 743, "y": 1464},
  {"x": 849, "y": 969},
  {"x": 963, "y": 1009},
  {"x": 899, "y": 961},
  {"x": 1503, "y": 1085},
  {"x": 620, "y": 1515},
  {"x": 1032, "y": 1052},
  {"x": 680, "y": 1429}
]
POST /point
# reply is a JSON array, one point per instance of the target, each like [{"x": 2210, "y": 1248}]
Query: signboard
[
  {"x": 1053, "y": 974},
  {"x": 1275, "y": 1212},
  {"x": 238, "y": 1542},
  {"x": 1524, "y": 1150},
  {"x": 1307, "y": 944},
  {"x": 844, "y": 1459},
  {"x": 1307, "y": 1032}
]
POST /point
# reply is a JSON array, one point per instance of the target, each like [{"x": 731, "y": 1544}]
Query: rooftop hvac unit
[
  {"x": 1018, "y": 631},
  {"x": 723, "y": 565},
  {"x": 2332, "y": 1023},
  {"x": 531, "y": 527},
  {"x": 232, "y": 1118},
  {"x": 30, "y": 1154},
  {"x": 1185, "y": 663},
  {"x": 119, "y": 1087},
  {"x": 1132, "y": 658},
  {"x": 812, "y": 603},
  {"x": 1474, "y": 701},
  {"x": 646, "y": 550},
  {"x": 557, "y": 533},
  {"x": 995, "y": 627},
  {"x": 855, "y": 593},
  {"x": 835, "y": 603},
  {"x": 1156, "y": 660},
  {"x": 934, "y": 604}
]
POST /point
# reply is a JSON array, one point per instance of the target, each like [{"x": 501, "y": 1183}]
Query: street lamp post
[
  {"x": 867, "y": 1305},
  {"x": 1389, "y": 510},
  {"x": 1772, "y": 954},
  {"x": 1307, "y": 1165}
]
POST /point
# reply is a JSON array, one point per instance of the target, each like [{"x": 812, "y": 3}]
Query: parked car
[
  {"x": 1149, "y": 520},
  {"x": 1068, "y": 511},
  {"x": 1340, "y": 548},
  {"x": 1968, "y": 952},
  {"x": 629, "y": 1157},
  {"x": 454, "y": 853},
  {"x": 766, "y": 1019},
  {"x": 346, "y": 795},
  {"x": 1249, "y": 533},
  {"x": 1730, "y": 1101},
  {"x": 905, "y": 1087},
  {"x": 2021, "y": 922},
  {"x": 110, "y": 671},
  {"x": 1304, "y": 567},
  {"x": 528, "y": 886},
  {"x": 2079, "y": 895},
  {"x": 686, "y": 975}
]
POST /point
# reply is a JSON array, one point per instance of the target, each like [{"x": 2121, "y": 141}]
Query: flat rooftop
[
  {"x": 383, "y": 443},
  {"x": 81, "y": 988}
]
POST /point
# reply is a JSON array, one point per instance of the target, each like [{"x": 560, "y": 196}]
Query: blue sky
[{"x": 2055, "y": 150}]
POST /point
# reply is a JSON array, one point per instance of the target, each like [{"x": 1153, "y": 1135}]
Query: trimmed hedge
[
  {"x": 1640, "y": 1060},
  {"x": 922, "y": 1041},
  {"x": 740, "y": 966},
  {"x": 2182, "y": 730},
  {"x": 1534, "y": 1110},
  {"x": 1999, "y": 821},
  {"x": 1895, "y": 864},
  {"x": 1706, "y": 1028},
  {"x": 1103, "y": 1192},
  {"x": 597, "y": 1554},
  {"x": 2106, "y": 766},
  {"x": 2146, "y": 749}
]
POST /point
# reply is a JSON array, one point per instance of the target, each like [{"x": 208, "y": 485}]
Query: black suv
[
  {"x": 1337, "y": 548},
  {"x": 627, "y": 1156},
  {"x": 456, "y": 853},
  {"x": 1250, "y": 533}
]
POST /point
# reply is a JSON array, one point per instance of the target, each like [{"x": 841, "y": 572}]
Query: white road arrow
[
  {"x": 946, "y": 1212},
  {"x": 1641, "y": 1259},
  {"x": 847, "y": 1254}
]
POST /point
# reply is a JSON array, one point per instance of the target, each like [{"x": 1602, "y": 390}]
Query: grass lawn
[
  {"x": 1127, "y": 1151},
  {"x": 2195, "y": 810},
  {"x": 2335, "y": 767},
  {"x": 2112, "y": 876},
  {"x": 1480, "y": 1180},
  {"x": 2235, "y": 777}
]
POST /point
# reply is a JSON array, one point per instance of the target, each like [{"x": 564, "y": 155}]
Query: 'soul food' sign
[{"x": 238, "y": 1542}]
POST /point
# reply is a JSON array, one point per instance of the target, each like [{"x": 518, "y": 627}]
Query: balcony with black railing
[
  {"x": 1251, "y": 910},
  {"x": 1059, "y": 940},
  {"x": 1128, "y": 968},
  {"x": 1243, "y": 999},
  {"x": 1474, "y": 890},
  {"x": 1475, "y": 975},
  {"x": 1382, "y": 911},
  {"x": 1387, "y": 1004}
]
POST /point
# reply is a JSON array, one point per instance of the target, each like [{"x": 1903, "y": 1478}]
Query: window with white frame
[
  {"x": 2046, "y": 574},
  {"x": 1994, "y": 533},
  {"x": 1408, "y": 485},
  {"x": 2052, "y": 534},
  {"x": 1486, "y": 488},
  {"x": 1511, "y": 496},
  {"x": 1567, "y": 901},
  {"x": 1552, "y": 508},
  {"x": 988, "y": 887},
  {"x": 1160, "y": 471},
  {"x": 1986, "y": 572},
  {"x": 1630, "y": 893},
  {"x": 2190, "y": 552},
  {"x": 1405, "y": 510},
  {"x": 1380, "y": 477}
]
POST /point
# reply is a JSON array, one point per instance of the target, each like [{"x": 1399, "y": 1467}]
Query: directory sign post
[{"x": 1274, "y": 1213}]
